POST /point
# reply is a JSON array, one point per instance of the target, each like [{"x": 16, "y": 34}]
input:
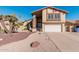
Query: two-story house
[{"x": 49, "y": 19}]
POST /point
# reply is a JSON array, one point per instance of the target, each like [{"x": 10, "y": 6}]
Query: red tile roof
[
  {"x": 51, "y": 8},
  {"x": 73, "y": 21}
]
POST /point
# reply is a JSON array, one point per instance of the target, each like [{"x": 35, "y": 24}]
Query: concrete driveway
[{"x": 48, "y": 42}]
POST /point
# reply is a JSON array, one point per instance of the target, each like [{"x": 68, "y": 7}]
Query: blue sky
[{"x": 24, "y": 12}]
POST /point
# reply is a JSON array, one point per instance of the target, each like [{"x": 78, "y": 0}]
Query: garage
[{"x": 53, "y": 28}]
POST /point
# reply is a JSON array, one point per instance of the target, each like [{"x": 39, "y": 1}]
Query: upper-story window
[{"x": 55, "y": 16}]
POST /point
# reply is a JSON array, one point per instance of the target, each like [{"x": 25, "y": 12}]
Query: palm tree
[
  {"x": 2, "y": 19},
  {"x": 13, "y": 20}
]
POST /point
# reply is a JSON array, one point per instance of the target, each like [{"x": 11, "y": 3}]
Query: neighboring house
[
  {"x": 72, "y": 25},
  {"x": 49, "y": 19},
  {"x": 28, "y": 24}
]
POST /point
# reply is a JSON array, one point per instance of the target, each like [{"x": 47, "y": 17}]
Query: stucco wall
[
  {"x": 63, "y": 28},
  {"x": 63, "y": 19},
  {"x": 46, "y": 11},
  {"x": 44, "y": 15},
  {"x": 44, "y": 18}
]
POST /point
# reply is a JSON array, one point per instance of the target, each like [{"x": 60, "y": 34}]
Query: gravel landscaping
[{"x": 13, "y": 37}]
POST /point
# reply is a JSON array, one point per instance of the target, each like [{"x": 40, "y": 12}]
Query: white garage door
[{"x": 53, "y": 28}]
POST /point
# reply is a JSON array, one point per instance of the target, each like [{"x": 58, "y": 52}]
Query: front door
[{"x": 39, "y": 26}]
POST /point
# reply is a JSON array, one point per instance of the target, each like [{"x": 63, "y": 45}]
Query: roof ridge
[{"x": 52, "y": 8}]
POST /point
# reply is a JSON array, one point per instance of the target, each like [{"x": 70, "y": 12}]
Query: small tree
[
  {"x": 13, "y": 20},
  {"x": 2, "y": 19}
]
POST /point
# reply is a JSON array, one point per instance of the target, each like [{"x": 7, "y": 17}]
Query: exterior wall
[
  {"x": 44, "y": 18},
  {"x": 44, "y": 15},
  {"x": 63, "y": 28},
  {"x": 34, "y": 24},
  {"x": 43, "y": 27},
  {"x": 63, "y": 19},
  {"x": 69, "y": 29},
  {"x": 46, "y": 11}
]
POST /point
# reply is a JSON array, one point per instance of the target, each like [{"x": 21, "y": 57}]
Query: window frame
[{"x": 54, "y": 19}]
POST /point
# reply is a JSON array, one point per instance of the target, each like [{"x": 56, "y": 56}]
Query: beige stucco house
[
  {"x": 49, "y": 19},
  {"x": 71, "y": 25}
]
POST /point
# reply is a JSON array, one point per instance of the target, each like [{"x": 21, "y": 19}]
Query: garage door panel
[{"x": 53, "y": 28}]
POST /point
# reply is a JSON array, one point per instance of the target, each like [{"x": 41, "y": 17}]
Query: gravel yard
[{"x": 12, "y": 37}]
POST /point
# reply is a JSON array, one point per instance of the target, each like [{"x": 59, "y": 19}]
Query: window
[{"x": 54, "y": 17}]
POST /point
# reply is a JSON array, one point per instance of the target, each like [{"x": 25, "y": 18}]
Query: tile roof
[{"x": 50, "y": 8}]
